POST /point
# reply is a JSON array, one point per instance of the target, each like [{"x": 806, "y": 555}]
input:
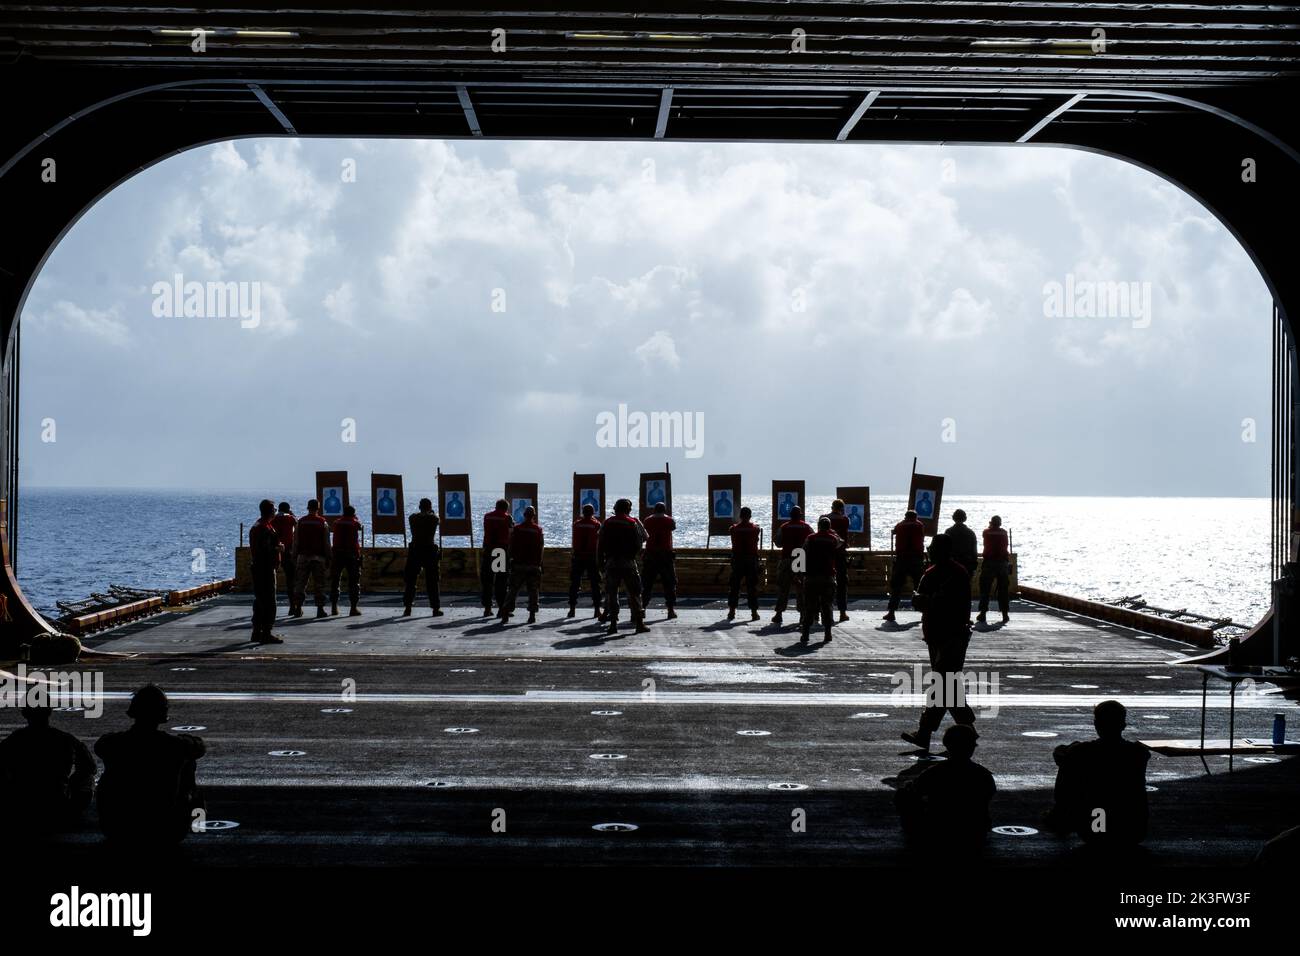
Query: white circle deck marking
[
  {"x": 600, "y": 672},
  {"x": 287, "y": 753},
  {"x": 878, "y": 674},
  {"x": 753, "y": 733},
  {"x": 210, "y": 826},
  {"x": 1020, "y": 676},
  {"x": 606, "y": 713},
  {"x": 336, "y": 710},
  {"x": 460, "y": 730},
  {"x": 69, "y": 710},
  {"x": 463, "y": 670},
  {"x": 184, "y": 668},
  {"x": 609, "y": 756},
  {"x": 1084, "y": 686},
  {"x": 322, "y": 670},
  {"x": 787, "y": 786},
  {"x": 614, "y": 827},
  {"x": 1158, "y": 677},
  {"x": 1262, "y": 759},
  {"x": 439, "y": 784},
  {"x": 1039, "y": 733},
  {"x": 1151, "y": 789},
  {"x": 1156, "y": 716},
  {"x": 866, "y": 715},
  {"x": 189, "y": 728},
  {"x": 1014, "y": 831}
]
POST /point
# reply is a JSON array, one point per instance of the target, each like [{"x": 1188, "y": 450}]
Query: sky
[{"x": 823, "y": 312}]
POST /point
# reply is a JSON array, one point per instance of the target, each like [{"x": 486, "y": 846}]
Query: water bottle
[{"x": 1279, "y": 730}]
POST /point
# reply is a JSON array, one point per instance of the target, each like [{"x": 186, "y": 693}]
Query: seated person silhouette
[
  {"x": 1101, "y": 784},
  {"x": 455, "y": 505},
  {"x": 46, "y": 775},
  {"x": 148, "y": 794},
  {"x": 946, "y": 808}
]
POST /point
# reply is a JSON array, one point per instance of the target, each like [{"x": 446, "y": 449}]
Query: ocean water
[{"x": 1209, "y": 555}]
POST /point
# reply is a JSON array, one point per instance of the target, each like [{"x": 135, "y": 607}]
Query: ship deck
[{"x": 406, "y": 736}]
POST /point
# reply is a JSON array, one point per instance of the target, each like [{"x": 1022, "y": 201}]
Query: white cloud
[
  {"x": 659, "y": 349},
  {"x": 103, "y": 325}
]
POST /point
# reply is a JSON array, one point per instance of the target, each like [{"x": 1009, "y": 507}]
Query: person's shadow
[{"x": 796, "y": 649}]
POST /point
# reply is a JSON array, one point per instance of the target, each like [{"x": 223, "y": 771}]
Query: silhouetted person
[
  {"x": 1101, "y": 784},
  {"x": 744, "y": 564},
  {"x": 494, "y": 567},
  {"x": 909, "y": 558},
  {"x": 422, "y": 555},
  {"x": 345, "y": 555},
  {"x": 943, "y": 598},
  {"x": 527, "y": 543},
  {"x": 790, "y": 537},
  {"x": 965, "y": 549},
  {"x": 285, "y": 525},
  {"x": 147, "y": 794},
  {"x": 311, "y": 549},
  {"x": 264, "y": 551},
  {"x": 996, "y": 569},
  {"x": 946, "y": 807},
  {"x": 46, "y": 775},
  {"x": 659, "y": 562},
  {"x": 619, "y": 543},
  {"x": 820, "y": 550},
  {"x": 585, "y": 545},
  {"x": 840, "y": 525}
]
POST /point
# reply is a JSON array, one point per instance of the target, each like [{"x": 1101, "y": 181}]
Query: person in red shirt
[
  {"x": 840, "y": 525},
  {"x": 494, "y": 566},
  {"x": 909, "y": 559},
  {"x": 618, "y": 545},
  {"x": 284, "y": 524},
  {"x": 789, "y": 536},
  {"x": 527, "y": 542},
  {"x": 311, "y": 555},
  {"x": 586, "y": 534},
  {"x": 346, "y": 556},
  {"x": 659, "y": 559},
  {"x": 996, "y": 568},
  {"x": 744, "y": 564},
  {"x": 819, "y": 550},
  {"x": 264, "y": 549}
]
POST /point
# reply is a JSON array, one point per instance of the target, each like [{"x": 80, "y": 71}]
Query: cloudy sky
[{"x": 829, "y": 311}]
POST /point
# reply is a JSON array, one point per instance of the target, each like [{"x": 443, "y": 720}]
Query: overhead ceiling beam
[
  {"x": 467, "y": 105},
  {"x": 665, "y": 103},
  {"x": 274, "y": 110},
  {"x": 862, "y": 107},
  {"x": 1037, "y": 127}
]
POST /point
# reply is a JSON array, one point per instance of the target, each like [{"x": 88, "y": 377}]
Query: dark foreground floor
[{"x": 381, "y": 740}]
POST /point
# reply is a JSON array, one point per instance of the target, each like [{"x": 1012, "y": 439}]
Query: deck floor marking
[{"x": 746, "y": 698}]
